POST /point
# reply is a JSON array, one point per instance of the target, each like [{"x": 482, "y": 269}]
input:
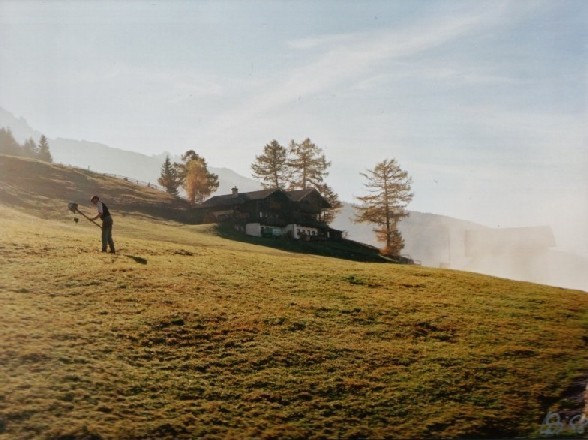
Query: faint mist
[{"x": 523, "y": 253}]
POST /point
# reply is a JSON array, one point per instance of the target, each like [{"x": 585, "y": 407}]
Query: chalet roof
[
  {"x": 239, "y": 198},
  {"x": 233, "y": 199},
  {"x": 298, "y": 194}
]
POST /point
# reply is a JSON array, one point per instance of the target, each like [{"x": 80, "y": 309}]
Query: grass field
[{"x": 185, "y": 334}]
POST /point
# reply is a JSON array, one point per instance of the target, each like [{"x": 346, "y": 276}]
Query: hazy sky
[{"x": 483, "y": 103}]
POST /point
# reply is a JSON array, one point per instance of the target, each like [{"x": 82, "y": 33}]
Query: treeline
[
  {"x": 303, "y": 165},
  {"x": 9, "y": 145}
]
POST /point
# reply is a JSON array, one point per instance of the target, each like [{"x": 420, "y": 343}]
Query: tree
[
  {"x": 272, "y": 166},
  {"x": 390, "y": 192},
  {"x": 30, "y": 148},
  {"x": 169, "y": 178},
  {"x": 44, "y": 153},
  {"x": 198, "y": 182},
  {"x": 8, "y": 144},
  {"x": 327, "y": 192},
  {"x": 308, "y": 165},
  {"x": 308, "y": 169}
]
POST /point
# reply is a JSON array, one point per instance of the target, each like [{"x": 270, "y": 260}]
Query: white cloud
[{"x": 351, "y": 57}]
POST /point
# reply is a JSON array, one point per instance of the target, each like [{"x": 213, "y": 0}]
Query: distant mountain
[
  {"x": 105, "y": 159},
  {"x": 19, "y": 126}
]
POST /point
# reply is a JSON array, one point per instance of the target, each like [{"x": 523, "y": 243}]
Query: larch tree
[
  {"x": 390, "y": 190},
  {"x": 44, "y": 153},
  {"x": 272, "y": 166},
  {"x": 169, "y": 178},
  {"x": 308, "y": 166},
  {"x": 196, "y": 180}
]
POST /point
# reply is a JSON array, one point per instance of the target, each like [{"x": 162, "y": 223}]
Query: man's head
[{"x": 95, "y": 199}]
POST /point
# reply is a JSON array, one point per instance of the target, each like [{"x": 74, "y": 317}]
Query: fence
[{"x": 136, "y": 181}]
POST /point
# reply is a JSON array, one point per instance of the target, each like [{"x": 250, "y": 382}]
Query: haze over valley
[{"x": 482, "y": 103}]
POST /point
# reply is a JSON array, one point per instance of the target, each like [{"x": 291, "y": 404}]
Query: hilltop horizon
[
  {"x": 428, "y": 236},
  {"x": 527, "y": 254},
  {"x": 82, "y": 153}
]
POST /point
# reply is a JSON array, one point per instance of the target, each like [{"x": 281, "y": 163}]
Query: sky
[{"x": 484, "y": 103}]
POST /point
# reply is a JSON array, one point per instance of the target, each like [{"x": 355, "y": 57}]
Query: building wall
[
  {"x": 302, "y": 231},
  {"x": 253, "y": 229},
  {"x": 296, "y": 231}
]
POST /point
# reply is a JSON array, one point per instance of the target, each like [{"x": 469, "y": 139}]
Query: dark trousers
[{"x": 107, "y": 234}]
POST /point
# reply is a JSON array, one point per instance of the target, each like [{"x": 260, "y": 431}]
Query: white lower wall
[
  {"x": 253, "y": 229},
  {"x": 296, "y": 231}
]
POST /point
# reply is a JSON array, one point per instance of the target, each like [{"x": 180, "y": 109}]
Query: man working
[{"x": 104, "y": 214}]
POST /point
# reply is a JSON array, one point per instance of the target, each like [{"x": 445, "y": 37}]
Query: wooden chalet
[{"x": 272, "y": 212}]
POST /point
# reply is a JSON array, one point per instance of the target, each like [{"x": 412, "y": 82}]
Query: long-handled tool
[{"x": 73, "y": 207}]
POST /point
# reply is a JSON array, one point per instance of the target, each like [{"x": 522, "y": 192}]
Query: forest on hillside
[{"x": 9, "y": 145}]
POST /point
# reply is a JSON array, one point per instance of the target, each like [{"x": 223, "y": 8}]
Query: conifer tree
[
  {"x": 308, "y": 165},
  {"x": 272, "y": 167},
  {"x": 327, "y": 192},
  {"x": 390, "y": 192},
  {"x": 169, "y": 178},
  {"x": 8, "y": 144},
  {"x": 30, "y": 148},
  {"x": 44, "y": 153}
]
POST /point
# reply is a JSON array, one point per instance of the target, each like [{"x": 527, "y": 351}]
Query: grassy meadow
[{"x": 185, "y": 334}]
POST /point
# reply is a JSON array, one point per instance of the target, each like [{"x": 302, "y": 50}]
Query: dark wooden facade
[{"x": 271, "y": 208}]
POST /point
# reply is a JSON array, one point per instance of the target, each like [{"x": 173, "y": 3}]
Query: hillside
[
  {"x": 434, "y": 240},
  {"x": 45, "y": 190},
  {"x": 185, "y": 334}
]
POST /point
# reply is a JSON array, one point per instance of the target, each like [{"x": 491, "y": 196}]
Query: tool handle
[{"x": 89, "y": 219}]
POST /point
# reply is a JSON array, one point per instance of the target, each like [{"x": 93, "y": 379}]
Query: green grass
[{"x": 186, "y": 334}]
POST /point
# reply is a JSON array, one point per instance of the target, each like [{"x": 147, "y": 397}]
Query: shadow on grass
[
  {"x": 343, "y": 249},
  {"x": 139, "y": 260}
]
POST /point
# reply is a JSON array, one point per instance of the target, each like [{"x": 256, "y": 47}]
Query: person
[{"x": 104, "y": 214}]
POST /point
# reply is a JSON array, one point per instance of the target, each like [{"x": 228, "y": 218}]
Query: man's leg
[
  {"x": 110, "y": 241},
  {"x": 105, "y": 232}
]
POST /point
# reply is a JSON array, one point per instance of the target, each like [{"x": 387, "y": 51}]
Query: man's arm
[{"x": 99, "y": 208}]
